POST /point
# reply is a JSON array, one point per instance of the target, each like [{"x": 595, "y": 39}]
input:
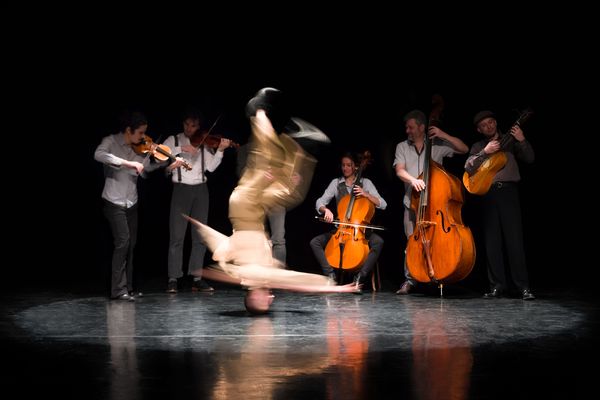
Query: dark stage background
[{"x": 356, "y": 96}]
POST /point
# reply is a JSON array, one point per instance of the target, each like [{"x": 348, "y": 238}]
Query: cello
[
  {"x": 348, "y": 248},
  {"x": 441, "y": 249}
]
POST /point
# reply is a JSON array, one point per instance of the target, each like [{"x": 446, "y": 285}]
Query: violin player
[
  {"x": 338, "y": 188},
  {"x": 122, "y": 167},
  {"x": 190, "y": 196}
]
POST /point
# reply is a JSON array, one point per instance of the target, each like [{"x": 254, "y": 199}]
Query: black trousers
[
  {"x": 318, "y": 244},
  {"x": 503, "y": 231},
  {"x": 123, "y": 225}
]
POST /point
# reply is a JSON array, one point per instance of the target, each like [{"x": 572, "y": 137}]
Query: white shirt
[
  {"x": 406, "y": 153},
  {"x": 195, "y": 176},
  {"x": 332, "y": 191}
]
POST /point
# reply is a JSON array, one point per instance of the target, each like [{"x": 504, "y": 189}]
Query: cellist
[
  {"x": 338, "y": 188},
  {"x": 408, "y": 163}
]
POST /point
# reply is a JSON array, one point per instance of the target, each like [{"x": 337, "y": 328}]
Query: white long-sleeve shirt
[
  {"x": 332, "y": 191},
  {"x": 194, "y": 176}
]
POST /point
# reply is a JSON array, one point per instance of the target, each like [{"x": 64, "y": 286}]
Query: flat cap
[{"x": 481, "y": 115}]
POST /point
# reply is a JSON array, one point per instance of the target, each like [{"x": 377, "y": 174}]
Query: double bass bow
[
  {"x": 441, "y": 249},
  {"x": 348, "y": 248}
]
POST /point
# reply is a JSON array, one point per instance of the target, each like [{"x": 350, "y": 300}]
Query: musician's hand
[
  {"x": 225, "y": 143},
  {"x": 328, "y": 215},
  {"x": 434, "y": 132},
  {"x": 517, "y": 132},
  {"x": 418, "y": 184},
  {"x": 177, "y": 163},
  {"x": 358, "y": 191},
  {"x": 138, "y": 166},
  {"x": 492, "y": 147},
  {"x": 188, "y": 148}
]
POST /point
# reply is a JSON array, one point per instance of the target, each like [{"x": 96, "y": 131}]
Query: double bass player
[{"x": 409, "y": 164}]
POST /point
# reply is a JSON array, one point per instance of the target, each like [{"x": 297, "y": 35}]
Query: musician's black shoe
[
  {"x": 527, "y": 295},
  {"x": 406, "y": 288},
  {"x": 172, "y": 286},
  {"x": 124, "y": 296},
  {"x": 200, "y": 285},
  {"x": 357, "y": 282},
  {"x": 494, "y": 294}
]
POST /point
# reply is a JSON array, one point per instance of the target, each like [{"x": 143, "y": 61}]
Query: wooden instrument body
[
  {"x": 441, "y": 249},
  {"x": 480, "y": 182},
  {"x": 350, "y": 242}
]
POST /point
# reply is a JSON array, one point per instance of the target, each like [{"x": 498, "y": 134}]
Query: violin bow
[
  {"x": 211, "y": 128},
  {"x": 338, "y": 222}
]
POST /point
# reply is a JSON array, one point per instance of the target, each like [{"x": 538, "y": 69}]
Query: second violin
[{"x": 208, "y": 140}]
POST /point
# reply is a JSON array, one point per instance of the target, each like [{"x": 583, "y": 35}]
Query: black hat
[
  {"x": 275, "y": 105},
  {"x": 481, "y": 115}
]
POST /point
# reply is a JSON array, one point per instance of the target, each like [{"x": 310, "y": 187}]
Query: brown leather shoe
[{"x": 406, "y": 288}]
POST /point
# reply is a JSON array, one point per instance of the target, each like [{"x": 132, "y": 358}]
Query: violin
[
  {"x": 159, "y": 151},
  {"x": 209, "y": 140}
]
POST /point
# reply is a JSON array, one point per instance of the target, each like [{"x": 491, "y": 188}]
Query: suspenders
[
  {"x": 202, "y": 161},
  {"x": 178, "y": 168}
]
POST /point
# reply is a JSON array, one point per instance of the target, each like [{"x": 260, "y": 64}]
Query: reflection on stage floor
[{"x": 335, "y": 346}]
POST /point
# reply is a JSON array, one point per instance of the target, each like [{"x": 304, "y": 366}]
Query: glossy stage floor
[{"x": 336, "y": 346}]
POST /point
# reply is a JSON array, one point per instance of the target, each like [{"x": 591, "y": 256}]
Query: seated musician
[{"x": 339, "y": 188}]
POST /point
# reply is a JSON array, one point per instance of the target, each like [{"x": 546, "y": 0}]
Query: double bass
[
  {"x": 348, "y": 248},
  {"x": 441, "y": 249}
]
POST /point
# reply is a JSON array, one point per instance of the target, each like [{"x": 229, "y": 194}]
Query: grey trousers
[{"x": 190, "y": 200}]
